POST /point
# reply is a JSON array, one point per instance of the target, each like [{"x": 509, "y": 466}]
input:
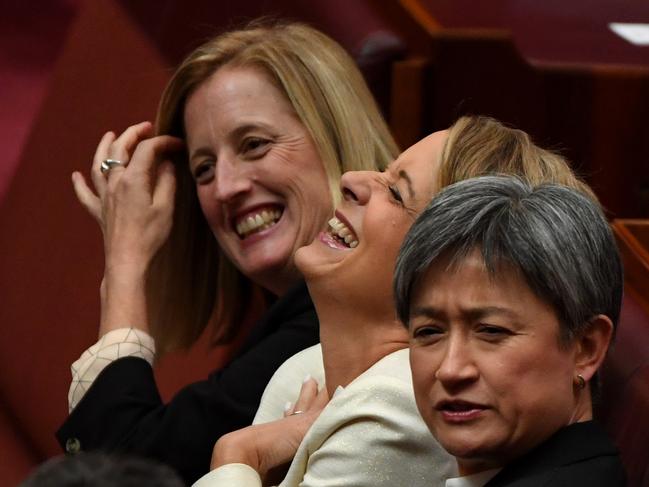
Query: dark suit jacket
[
  {"x": 578, "y": 455},
  {"x": 122, "y": 411}
]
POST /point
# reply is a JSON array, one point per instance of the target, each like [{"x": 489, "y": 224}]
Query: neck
[
  {"x": 583, "y": 406},
  {"x": 354, "y": 339}
]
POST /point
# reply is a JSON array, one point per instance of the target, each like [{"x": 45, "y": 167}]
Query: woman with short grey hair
[{"x": 511, "y": 294}]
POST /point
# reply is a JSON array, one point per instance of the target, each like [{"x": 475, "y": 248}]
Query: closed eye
[
  {"x": 493, "y": 333},
  {"x": 395, "y": 194},
  {"x": 397, "y": 198},
  {"x": 394, "y": 191}
]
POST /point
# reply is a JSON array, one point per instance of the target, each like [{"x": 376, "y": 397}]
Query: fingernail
[
  {"x": 287, "y": 406},
  {"x": 307, "y": 378}
]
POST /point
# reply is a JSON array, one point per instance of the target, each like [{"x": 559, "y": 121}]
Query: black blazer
[
  {"x": 122, "y": 411},
  {"x": 578, "y": 455}
]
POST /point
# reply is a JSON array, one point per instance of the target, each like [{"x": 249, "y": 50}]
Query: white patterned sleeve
[{"x": 123, "y": 342}]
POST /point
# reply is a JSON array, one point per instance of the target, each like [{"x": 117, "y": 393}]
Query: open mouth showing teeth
[
  {"x": 257, "y": 221},
  {"x": 340, "y": 232}
]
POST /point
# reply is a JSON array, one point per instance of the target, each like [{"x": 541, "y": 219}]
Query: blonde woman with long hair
[{"x": 254, "y": 131}]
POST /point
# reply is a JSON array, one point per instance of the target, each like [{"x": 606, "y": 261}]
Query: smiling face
[
  {"x": 356, "y": 255},
  {"x": 260, "y": 181},
  {"x": 490, "y": 378}
]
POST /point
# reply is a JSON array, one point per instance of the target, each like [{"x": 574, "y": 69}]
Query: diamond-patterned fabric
[{"x": 123, "y": 342}]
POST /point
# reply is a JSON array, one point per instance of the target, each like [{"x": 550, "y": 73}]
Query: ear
[{"x": 592, "y": 345}]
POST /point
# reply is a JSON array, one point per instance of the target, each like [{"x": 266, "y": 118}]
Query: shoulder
[
  {"x": 369, "y": 430},
  {"x": 285, "y": 384},
  {"x": 594, "y": 472},
  {"x": 383, "y": 392},
  {"x": 578, "y": 454},
  {"x": 296, "y": 305},
  {"x": 288, "y": 326},
  {"x": 603, "y": 471}
]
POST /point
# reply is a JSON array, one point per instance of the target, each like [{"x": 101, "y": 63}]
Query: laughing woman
[
  {"x": 260, "y": 123},
  {"x": 511, "y": 294},
  {"x": 370, "y": 432}
]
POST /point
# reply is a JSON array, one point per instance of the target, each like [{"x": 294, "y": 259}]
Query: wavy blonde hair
[
  {"x": 479, "y": 146},
  {"x": 191, "y": 282}
]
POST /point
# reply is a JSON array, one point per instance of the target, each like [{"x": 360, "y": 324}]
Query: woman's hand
[
  {"x": 133, "y": 205},
  {"x": 269, "y": 445},
  {"x": 134, "y": 202}
]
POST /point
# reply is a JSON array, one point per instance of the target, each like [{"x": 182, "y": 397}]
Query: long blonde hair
[{"x": 191, "y": 281}]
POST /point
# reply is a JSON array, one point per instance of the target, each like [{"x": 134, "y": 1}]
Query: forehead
[
  {"x": 467, "y": 281},
  {"x": 421, "y": 162},
  {"x": 235, "y": 92},
  {"x": 428, "y": 148}
]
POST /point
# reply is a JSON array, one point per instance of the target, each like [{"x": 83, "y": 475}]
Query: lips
[{"x": 457, "y": 410}]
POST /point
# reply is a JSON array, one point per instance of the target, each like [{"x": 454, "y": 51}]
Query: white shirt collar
[{"x": 475, "y": 480}]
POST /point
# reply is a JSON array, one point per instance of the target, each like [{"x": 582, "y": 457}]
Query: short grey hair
[{"x": 555, "y": 236}]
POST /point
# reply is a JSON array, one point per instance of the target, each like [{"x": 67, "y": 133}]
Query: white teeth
[
  {"x": 340, "y": 230},
  {"x": 257, "y": 222}
]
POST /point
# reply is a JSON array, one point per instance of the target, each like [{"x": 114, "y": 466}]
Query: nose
[
  {"x": 356, "y": 186},
  {"x": 457, "y": 367},
  {"x": 231, "y": 180}
]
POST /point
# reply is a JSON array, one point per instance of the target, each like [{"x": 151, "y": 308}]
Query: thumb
[{"x": 86, "y": 197}]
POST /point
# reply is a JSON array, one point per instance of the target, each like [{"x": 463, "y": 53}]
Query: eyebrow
[
  {"x": 201, "y": 151},
  {"x": 472, "y": 314},
  {"x": 235, "y": 134},
  {"x": 239, "y": 131},
  {"x": 404, "y": 175}
]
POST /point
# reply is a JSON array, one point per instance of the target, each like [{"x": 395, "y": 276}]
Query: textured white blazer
[{"x": 369, "y": 434}]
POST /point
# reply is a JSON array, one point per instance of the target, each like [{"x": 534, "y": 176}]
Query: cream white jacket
[{"x": 370, "y": 433}]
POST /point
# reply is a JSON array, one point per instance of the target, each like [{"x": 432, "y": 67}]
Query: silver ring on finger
[
  {"x": 296, "y": 412},
  {"x": 108, "y": 164}
]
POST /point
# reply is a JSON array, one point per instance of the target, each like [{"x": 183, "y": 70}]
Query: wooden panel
[
  {"x": 633, "y": 241},
  {"x": 594, "y": 114},
  {"x": 406, "y": 109},
  {"x": 574, "y": 32}
]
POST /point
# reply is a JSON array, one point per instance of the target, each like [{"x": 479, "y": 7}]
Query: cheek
[
  {"x": 211, "y": 208},
  {"x": 388, "y": 226},
  {"x": 525, "y": 385},
  {"x": 301, "y": 180},
  {"x": 311, "y": 197},
  {"x": 423, "y": 375}
]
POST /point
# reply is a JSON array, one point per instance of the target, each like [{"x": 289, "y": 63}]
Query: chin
[
  {"x": 316, "y": 260},
  {"x": 465, "y": 444}
]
